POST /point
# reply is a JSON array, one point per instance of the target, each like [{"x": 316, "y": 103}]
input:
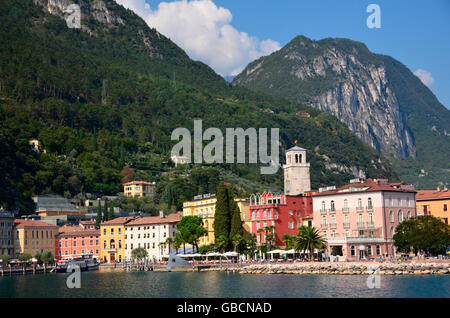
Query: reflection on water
[{"x": 109, "y": 283}]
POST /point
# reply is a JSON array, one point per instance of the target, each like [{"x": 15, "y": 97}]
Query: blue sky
[{"x": 417, "y": 33}]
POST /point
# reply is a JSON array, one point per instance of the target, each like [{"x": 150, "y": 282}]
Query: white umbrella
[
  {"x": 291, "y": 251},
  {"x": 213, "y": 254},
  {"x": 231, "y": 254},
  {"x": 276, "y": 252}
]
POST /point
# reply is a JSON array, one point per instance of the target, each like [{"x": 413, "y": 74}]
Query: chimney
[{"x": 161, "y": 214}]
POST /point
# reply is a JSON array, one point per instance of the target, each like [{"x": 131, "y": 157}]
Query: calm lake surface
[{"x": 107, "y": 283}]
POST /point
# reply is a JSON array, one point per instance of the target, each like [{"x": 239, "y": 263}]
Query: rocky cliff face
[{"x": 342, "y": 78}]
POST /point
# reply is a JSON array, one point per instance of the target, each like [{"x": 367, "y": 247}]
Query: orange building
[{"x": 434, "y": 202}]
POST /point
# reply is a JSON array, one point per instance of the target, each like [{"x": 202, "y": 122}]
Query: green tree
[
  {"x": 25, "y": 257},
  {"x": 238, "y": 242},
  {"x": 122, "y": 156},
  {"x": 222, "y": 217},
  {"x": 105, "y": 211},
  {"x": 205, "y": 249},
  {"x": 270, "y": 236},
  {"x": 236, "y": 222},
  {"x": 111, "y": 213},
  {"x": 98, "y": 221},
  {"x": 169, "y": 242},
  {"x": 308, "y": 238},
  {"x": 222, "y": 242},
  {"x": 177, "y": 242},
  {"x": 289, "y": 240},
  {"x": 424, "y": 233},
  {"x": 139, "y": 253},
  {"x": 5, "y": 259},
  {"x": 191, "y": 229},
  {"x": 251, "y": 242}
]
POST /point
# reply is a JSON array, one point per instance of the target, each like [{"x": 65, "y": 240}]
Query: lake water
[{"x": 107, "y": 283}]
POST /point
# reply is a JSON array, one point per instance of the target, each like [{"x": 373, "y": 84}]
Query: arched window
[
  {"x": 391, "y": 216},
  {"x": 323, "y": 205},
  {"x": 253, "y": 215},
  {"x": 112, "y": 244},
  {"x": 359, "y": 203},
  {"x": 345, "y": 204},
  {"x": 332, "y": 205},
  {"x": 296, "y": 158},
  {"x": 400, "y": 216},
  {"x": 370, "y": 218},
  {"x": 369, "y": 203},
  {"x": 392, "y": 231},
  {"x": 300, "y": 159},
  {"x": 265, "y": 214},
  {"x": 112, "y": 231},
  {"x": 352, "y": 250},
  {"x": 409, "y": 215},
  {"x": 257, "y": 214},
  {"x": 324, "y": 221}
]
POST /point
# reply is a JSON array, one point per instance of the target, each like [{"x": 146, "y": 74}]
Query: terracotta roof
[
  {"x": 21, "y": 223},
  {"x": 73, "y": 230},
  {"x": 119, "y": 221},
  {"x": 88, "y": 222},
  {"x": 171, "y": 218},
  {"x": 369, "y": 185},
  {"x": 432, "y": 195},
  {"x": 138, "y": 182}
]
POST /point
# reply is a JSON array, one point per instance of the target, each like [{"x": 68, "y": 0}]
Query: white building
[
  {"x": 296, "y": 172},
  {"x": 149, "y": 233},
  {"x": 180, "y": 160}
]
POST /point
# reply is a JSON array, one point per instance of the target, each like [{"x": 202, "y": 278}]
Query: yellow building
[
  {"x": 32, "y": 236},
  {"x": 112, "y": 239},
  {"x": 434, "y": 202},
  {"x": 139, "y": 189},
  {"x": 205, "y": 205}
]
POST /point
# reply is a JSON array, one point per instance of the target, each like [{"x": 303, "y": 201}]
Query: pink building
[{"x": 359, "y": 219}]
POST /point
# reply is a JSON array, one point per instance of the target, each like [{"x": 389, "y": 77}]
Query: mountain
[
  {"x": 377, "y": 97},
  {"x": 103, "y": 101}
]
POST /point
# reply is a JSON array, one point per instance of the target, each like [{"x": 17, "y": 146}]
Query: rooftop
[
  {"x": 432, "y": 194},
  {"x": 296, "y": 148},
  {"x": 171, "y": 218},
  {"x": 120, "y": 221},
  {"x": 22, "y": 223},
  {"x": 139, "y": 182},
  {"x": 369, "y": 185},
  {"x": 73, "y": 230}
]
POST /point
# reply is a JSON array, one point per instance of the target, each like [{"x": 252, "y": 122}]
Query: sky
[{"x": 229, "y": 34}]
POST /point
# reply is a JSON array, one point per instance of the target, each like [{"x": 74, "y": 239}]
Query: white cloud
[
  {"x": 424, "y": 76},
  {"x": 204, "y": 31}
]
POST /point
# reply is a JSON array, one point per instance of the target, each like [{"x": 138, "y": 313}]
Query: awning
[
  {"x": 362, "y": 248},
  {"x": 231, "y": 254},
  {"x": 276, "y": 252}
]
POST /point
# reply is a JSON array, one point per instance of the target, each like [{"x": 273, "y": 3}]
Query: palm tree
[
  {"x": 221, "y": 242},
  {"x": 270, "y": 238},
  {"x": 237, "y": 240},
  {"x": 251, "y": 242},
  {"x": 260, "y": 231},
  {"x": 308, "y": 238},
  {"x": 288, "y": 240},
  {"x": 169, "y": 242}
]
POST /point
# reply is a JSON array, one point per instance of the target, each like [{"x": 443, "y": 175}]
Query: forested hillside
[{"x": 109, "y": 95}]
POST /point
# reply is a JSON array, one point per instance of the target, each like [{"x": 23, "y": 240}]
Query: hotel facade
[
  {"x": 6, "y": 233},
  {"x": 204, "y": 206},
  {"x": 358, "y": 220},
  {"x": 151, "y": 233}
]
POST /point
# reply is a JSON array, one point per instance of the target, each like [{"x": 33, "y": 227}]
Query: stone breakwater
[{"x": 341, "y": 269}]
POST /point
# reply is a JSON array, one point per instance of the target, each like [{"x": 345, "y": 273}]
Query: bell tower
[{"x": 296, "y": 172}]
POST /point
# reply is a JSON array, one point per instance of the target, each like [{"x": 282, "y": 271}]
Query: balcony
[
  {"x": 110, "y": 250},
  {"x": 370, "y": 225},
  {"x": 332, "y": 226},
  {"x": 323, "y": 211},
  {"x": 346, "y": 225},
  {"x": 355, "y": 240},
  {"x": 345, "y": 210},
  {"x": 359, "y": 209},
  {"x": 369, "y": 209},
  {"x": 331, "y": 211},
  {"x": 361, "y": 226}
]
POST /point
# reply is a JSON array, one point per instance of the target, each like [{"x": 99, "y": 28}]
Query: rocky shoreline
[{"x": 341, "y": 269}]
